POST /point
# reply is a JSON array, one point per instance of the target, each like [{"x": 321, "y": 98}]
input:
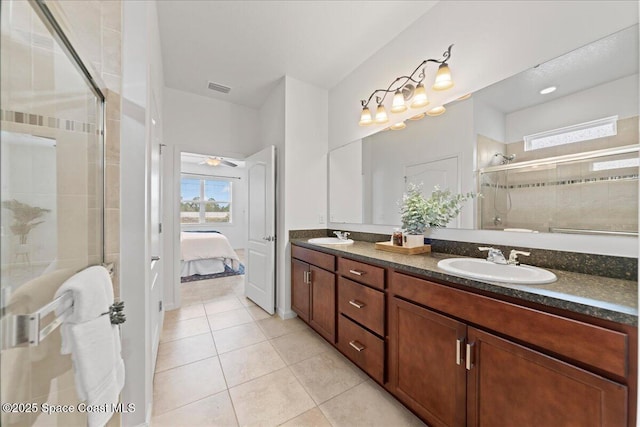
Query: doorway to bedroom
[{"x": 213, "y": 226}]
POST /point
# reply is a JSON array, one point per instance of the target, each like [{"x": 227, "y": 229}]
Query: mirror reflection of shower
[{"x": 502, "y": 183}]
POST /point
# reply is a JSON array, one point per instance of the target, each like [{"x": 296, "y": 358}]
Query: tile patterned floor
[{"x": 223, "y": 361}]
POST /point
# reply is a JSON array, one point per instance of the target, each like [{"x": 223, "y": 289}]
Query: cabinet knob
[{"x": 356, "y": 345}]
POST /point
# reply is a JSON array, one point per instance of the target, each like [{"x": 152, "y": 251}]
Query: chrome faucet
[
  {"x": 342, "y": 235},
  {"x": 495, "y": 255},
  {"x": 513, "y": 256}
]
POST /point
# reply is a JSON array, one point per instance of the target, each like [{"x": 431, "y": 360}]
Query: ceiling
[
  {"x": 602, "y": 61},
  {"x": 250, "y": 45}
]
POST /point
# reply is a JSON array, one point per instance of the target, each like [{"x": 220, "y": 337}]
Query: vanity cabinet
[
  {"x": 427, "y": 369},
  {"x": 454, "y": 374},
  {"x": 313, "y": 290},
  {"x": 456, "y": 356},
  {"x": 361, "y": 315}
]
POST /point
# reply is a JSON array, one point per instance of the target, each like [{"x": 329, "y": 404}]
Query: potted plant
[
  {"x": 24, "y": 216},
  {"x": 420, "y": 213}
]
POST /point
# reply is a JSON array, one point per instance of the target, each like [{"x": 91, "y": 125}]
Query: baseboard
[{"x": 284, "y": 315}]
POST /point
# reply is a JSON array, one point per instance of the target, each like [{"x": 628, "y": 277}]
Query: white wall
[
  {"x": 305, "y": 162},
  {"x": 142, "y": 83},
  {"x": 236, "y": 231},
  {"x": 205, "y": 125},
  {"x": 294, "y": 119},
  {"x": 493, "y": 40},
  {"x": 597, "y": 102}
]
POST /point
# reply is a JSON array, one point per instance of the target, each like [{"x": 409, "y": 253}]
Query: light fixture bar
[{"x": 401, "y": 87}]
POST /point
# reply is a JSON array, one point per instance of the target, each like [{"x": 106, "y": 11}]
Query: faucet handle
[
  {"x": 485, "y": 248},
  {"x": 513, "y": 256},
  {"x": 346, "y": 234}
]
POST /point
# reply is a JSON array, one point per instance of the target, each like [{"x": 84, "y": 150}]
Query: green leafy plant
[
  {"x": 420, "y": 213},
  {"x": 24, "y": 216}
]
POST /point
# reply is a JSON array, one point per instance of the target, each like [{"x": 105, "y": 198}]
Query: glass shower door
[{"x": 51, "y": 196}]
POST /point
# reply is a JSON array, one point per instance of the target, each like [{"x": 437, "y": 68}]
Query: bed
[{"x": 205, "y": 253}]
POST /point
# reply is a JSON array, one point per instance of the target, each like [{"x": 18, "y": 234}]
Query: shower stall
[{"x": 51, "y": 142}]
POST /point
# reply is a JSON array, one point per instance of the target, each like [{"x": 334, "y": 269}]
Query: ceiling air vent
[{"x": 218, "y": 88}]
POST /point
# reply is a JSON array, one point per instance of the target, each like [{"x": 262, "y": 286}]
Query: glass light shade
[
  {"x": 420, "y": 97},
  {"x": 418, "y": 116},
  {"x": 213, "y": 161},
  {"x": 365, "y": 117},
  {"x": 463, "y": 97},
  {"x": 436, "y": 111},
  {"x": 444, "y": 80},
  {"x": 398, "y": 126},
  {"x": 381, "y": 114},
  {"x": 398, "y": 105}
]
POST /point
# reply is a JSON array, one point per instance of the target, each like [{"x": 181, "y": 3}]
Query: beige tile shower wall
[
  {"x": 602, "y": 205},
  {"x": 95, "y": 30}
]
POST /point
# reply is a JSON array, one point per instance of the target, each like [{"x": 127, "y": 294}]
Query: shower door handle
[{"x": 155, "y": 258}]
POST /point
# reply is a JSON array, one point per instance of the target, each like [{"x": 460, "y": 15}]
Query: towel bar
[{"x": 25, "y": 329}]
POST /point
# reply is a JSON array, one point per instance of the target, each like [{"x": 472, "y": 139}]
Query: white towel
[{"x": 94, "y": 343}]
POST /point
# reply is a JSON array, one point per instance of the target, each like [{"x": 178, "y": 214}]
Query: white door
[
  {"x": 259, "y": 282},
  {"x": 155, "y": 218}
]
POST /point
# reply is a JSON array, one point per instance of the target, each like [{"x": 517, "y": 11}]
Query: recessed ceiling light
[{"x": 547, "y": 90}]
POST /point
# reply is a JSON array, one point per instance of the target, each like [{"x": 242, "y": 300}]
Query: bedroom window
[{"x": 204, "y": 200}]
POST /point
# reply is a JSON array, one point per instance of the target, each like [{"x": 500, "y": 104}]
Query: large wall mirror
[{"x": 552, "y": 149}]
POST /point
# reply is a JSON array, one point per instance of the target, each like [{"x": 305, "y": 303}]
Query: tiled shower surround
[{"x": 561, "y": 197}]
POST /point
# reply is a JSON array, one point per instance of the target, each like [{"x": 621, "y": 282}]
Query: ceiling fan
[{"x": 217, "y": 161}]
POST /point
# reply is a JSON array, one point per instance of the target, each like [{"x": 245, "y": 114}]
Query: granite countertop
[{"x": 596, "y": 296}]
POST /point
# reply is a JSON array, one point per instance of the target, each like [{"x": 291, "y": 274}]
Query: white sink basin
[
  {"x": 330, "y": 241},
  {"x": 476, "y": 268}
]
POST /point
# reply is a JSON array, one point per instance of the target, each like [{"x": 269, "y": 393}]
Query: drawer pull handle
[
  {"x": 469, "y": 363},
  {"x": 356, "y": 304},
  {"x": 459, "y": 351},
  {"x": 356, "y": 345},
  {"x": 356, "y": 272}
]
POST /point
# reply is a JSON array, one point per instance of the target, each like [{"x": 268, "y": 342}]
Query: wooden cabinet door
[
  {"x": 426, "y": 368},
  {"x": 323, "y": 303},
  {"x": 300, "y": 289},
  {"x": 511, "y": 385}
]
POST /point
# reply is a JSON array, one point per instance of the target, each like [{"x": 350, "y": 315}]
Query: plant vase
[{"x": 413, "y": 240}]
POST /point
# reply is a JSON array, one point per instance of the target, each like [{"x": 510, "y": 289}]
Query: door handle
[{"x": 155, "y": 258}]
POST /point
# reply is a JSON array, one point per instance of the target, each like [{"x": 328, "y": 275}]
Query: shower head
[{"x": 505, "y": 159}]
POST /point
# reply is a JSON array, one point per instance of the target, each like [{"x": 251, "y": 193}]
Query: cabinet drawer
[
  {"x": 595, "y": 346},
  {"x": 362, "y": 304},
  {"x": 322, "y": 260},
  {"x": 361, "y": 272},
  {"x": 362, "y": 347}
]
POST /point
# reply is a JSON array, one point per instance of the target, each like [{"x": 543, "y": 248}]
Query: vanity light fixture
[
  {"x": 365, "y": 117},
  {"x": 436, "y": 111},
  {"x": 398, "y": 126},
  {"x": 418, "y": 116},
  {"x": 405, "y": 88},
  {"x": 548, "y": 90},
  {"x": 381, "y": 115}
]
